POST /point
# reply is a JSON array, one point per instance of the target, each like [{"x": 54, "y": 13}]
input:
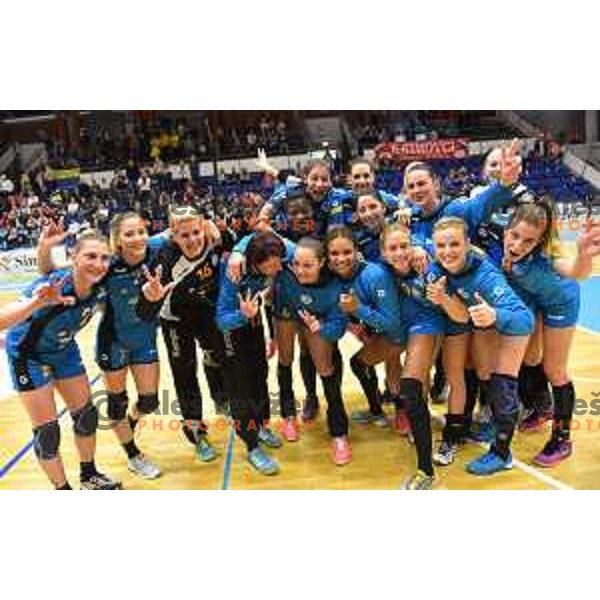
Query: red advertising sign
[{"x": 399, "y": 152}]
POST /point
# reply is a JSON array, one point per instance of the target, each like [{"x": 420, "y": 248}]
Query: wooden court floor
[{"x": 382, "y": 459}]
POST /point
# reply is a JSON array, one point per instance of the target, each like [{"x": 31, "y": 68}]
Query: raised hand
[
  {"x": 312, "y": 323},
  {"x": 249, "y": 305},
  {"x": 588, "y": 242},
  {"x": 53, "y": 233},
  {"x": 511, "y": 164},
  {"x": 263, "y": 164},
  {"x": 153, "y": 289},
  {"x": 482, "y": 314},
  {"x": 403, "y": 216},
  {"x": 437, "y": 291}
]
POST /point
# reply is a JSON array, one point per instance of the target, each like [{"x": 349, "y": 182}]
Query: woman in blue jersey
[
  {"x": 124, "y": 342},
  {"x": 462, "y": 270},
  {"x": 44, "y": 356},
  {"x": 546, "y": 281},
  {"x": 306, "y": 300},
  {"x": 370, "y": 299},
  {"x": 330, "y": 205},
  {"x": 423, "y": 192},
  {"x": 533, "y": 384},
  {"x": 426, "y": 323}
]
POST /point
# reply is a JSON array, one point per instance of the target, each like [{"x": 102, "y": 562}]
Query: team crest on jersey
[
  {"x": 381, "y": 293},
  {"x": 498, "y": 292},
  {"x": 306, "y": 299}
]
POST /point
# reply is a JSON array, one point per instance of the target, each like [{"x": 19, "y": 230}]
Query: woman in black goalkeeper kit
[
  {"x": 239, "y": 318},
  {"x": 183, "y": 285}
]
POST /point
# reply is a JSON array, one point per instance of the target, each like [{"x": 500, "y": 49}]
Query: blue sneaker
[
  {"x": 268, "y": 438},
  {"x": 262, "y": 462},
  {"x": 490, "y": 463},
  {"x": 204, "y": 450}
]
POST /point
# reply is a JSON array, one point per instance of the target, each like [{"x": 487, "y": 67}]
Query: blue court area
[{"x": 590, "y": 304}]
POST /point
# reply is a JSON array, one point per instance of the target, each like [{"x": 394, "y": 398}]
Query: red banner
[{"x": 400, "y": 152}]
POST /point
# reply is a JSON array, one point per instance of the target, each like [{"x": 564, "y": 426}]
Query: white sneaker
[{"x": 142, "y": 467}]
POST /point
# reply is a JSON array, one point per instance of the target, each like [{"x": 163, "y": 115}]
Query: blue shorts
[
  {"x": 420, "y": 319},
  {"x": 561, "y": 316},
  {"x": 31, "y": 372},
  {"x": 115, "y": 356}
]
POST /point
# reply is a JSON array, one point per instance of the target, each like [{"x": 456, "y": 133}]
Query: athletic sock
[
  {"x": 131, "y": 449},
  {"x": 87, "y": 470}
]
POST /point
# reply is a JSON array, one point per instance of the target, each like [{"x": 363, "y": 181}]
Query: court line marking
[
  {"x": 228, "y": 459},
  {"x": 527, "y": 469},
  {"x": 14, "y": 461}
]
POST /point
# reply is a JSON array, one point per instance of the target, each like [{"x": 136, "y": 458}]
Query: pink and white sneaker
[
  {"x": 554, "y": 452},
  {"x": 290, "y": 430},
  {"x": 341, "y": 450}
]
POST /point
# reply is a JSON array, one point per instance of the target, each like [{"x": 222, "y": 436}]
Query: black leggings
[
  {"x": 180, "y": 339},
  {"x": 247, "y": 371}
]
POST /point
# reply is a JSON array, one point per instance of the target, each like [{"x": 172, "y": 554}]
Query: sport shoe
[
  {"x": 341, "y": 450},
  {"x": 262, "y": 462},
  {"x": 366, "y": 417},
  {"x": 141, "y": 466},
  {"x": 490, "y": 463},
  {"x": 418, "y": 481},
  {"x": 554, "y": 452},
  {"x": 534, "y": 421},
  {"x": 99, "y": 481},
  {"x": 204, "y": 450},
  {"x": 268, "y": 438},
  {"x": 402, "y": 423},
  {"x": 290, "y": 430},
  {"x": 445, "y": 454},
  {"x": 310, "y": 410}
]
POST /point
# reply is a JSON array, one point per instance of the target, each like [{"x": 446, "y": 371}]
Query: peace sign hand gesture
[
  {"x": 153, "y": 289},
  {"x": 436, "y": 291},
  {"x": 249, "y": 304},
  {"x": 52, "y": 233},
  {"x": 482, "y": 314},
  {"x": 511, "y": 164},
  {"x": 588, "y": 243}
]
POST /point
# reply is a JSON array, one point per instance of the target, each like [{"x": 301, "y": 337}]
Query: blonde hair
[
  {"x": 115, "y": 228},
  {"x": 89, "y": 235},
  {"x": 449, "y": 222},
  {"x": 390, "y": 229}
]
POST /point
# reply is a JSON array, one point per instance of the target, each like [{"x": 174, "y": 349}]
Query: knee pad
[
  {"x": 504, "y": 391},
  {"x": 46, "y": 440},
  {"x": 411, "y": 388},
  {"x": 147, "y": 403},
  {"x": 117, "y": 406},
  {"x": 85, "y": 420}
]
